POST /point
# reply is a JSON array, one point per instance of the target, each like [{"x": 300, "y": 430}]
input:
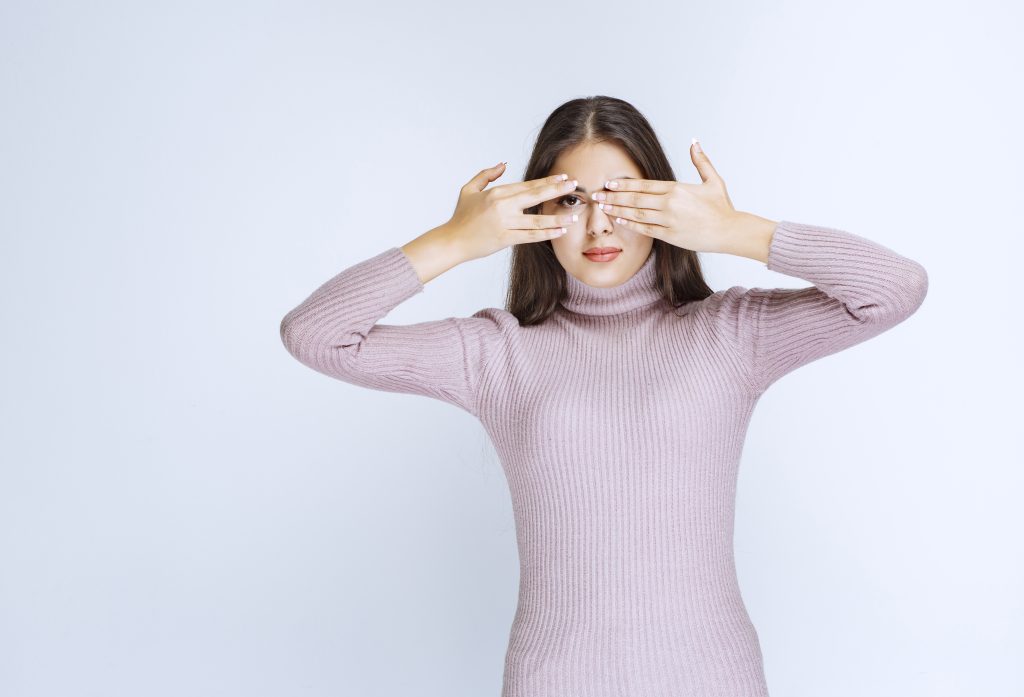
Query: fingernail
[{"x": 696, "y": 145}]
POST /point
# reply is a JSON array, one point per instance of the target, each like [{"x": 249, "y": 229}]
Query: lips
[{"x": 602, "y": 255}]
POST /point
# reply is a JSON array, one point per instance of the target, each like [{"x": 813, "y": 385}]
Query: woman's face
[{"x": 591, "y": 165}]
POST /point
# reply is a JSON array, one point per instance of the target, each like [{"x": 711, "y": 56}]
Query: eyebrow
[{"x": 582, "y": 190}]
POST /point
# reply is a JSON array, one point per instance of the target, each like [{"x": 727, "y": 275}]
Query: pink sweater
[{"x": 619, "y": 423}]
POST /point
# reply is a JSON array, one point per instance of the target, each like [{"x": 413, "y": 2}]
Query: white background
[{"x": 186, "y": 510}]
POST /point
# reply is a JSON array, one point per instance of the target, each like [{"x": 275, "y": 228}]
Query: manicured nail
[
  {"x": 696, "y": 145},
  {"x": 611, "y": 184}
]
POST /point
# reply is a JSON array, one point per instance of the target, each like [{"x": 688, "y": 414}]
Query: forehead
[{"x": 595, "y": 162}]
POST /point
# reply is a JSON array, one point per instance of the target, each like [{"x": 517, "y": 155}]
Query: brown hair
[{"x": 536, "y": 278}]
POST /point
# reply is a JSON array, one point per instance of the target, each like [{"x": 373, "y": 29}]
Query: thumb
[
  {"x": 486, "y": 176},
  {"x": 701, "y": 162}
]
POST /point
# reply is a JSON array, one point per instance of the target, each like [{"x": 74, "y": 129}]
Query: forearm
[
  {"x": 874, "y": 283},
  {"x": 748, "y": 235},
  {"x": 860, "y": 289},
  {"x": 434, "y": 252},
  {"x": 337, "y": 331}
]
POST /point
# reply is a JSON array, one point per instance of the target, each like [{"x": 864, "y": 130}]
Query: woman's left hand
[{"x": 692, "y": 216}]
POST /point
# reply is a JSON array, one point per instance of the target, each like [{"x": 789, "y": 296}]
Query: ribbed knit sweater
[{"x": 619, "y": 422}]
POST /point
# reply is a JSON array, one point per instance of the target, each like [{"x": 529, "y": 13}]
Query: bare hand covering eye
[
  {"x": 336, "y": 330},
  {"x": 619, "y": 422},
  {"x": 488, "y": 220}
]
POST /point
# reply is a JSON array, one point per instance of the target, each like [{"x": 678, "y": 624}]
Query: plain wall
[{"x": 187, "y": 510}]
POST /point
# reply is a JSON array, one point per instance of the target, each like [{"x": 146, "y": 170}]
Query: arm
[
  {"x": 860, "y": 290},
  {"x": 335, "y": 331}
]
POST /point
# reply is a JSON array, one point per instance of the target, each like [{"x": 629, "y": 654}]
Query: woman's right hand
[{"x": 487, "y": 221}]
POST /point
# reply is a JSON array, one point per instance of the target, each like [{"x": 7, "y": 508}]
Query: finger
[
  {"x": 537, "y": 235},
  {"x": 536, "y": 222},
  {"x": 701, "y": 162},
  {"x": 640, "y": 215},
  {"x": 623, "y": 218},
  {"x": 649, "y": 186},
  {"x": 634, "y": 199},
  {"x": 485, "y": 177},
  {"x": 544, "y": 191},
  {"x": 515, "y": 188}
]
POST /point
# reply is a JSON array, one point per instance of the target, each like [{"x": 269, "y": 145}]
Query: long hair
[{"x": 536, "y": 278}]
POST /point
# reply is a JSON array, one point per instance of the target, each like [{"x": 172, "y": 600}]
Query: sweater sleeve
[
  {"x": 860, "y": 289},
  {"x": 335, "y": 331}
]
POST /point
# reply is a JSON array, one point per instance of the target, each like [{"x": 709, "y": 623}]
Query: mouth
[{"x": 602, "y": 253}]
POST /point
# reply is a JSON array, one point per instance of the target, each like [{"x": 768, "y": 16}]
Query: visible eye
[{"x": 565, "y": 198}]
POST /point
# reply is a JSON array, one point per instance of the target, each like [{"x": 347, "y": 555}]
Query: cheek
[
  {"x": 568, "y": 252},
  {"x": 561, "y": 246},
  {"x": 636, "y": 239}
]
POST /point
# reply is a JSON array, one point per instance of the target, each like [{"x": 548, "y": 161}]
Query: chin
[
  {"x": 608, "y": 273},
  {"x": 600, "y": 270}
]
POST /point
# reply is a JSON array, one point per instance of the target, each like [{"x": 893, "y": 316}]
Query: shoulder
[
  {"x": 496, "y": 315},
  {"x": 721, "y": 300},
  {"x": 733, "y": 311},
  {"x": 729, "y": 302},
  {"x": 491, "y": 325},
  {"x": 492, "y": 319}
]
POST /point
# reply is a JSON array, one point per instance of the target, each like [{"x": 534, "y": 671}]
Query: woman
[{"x": 616, "y": 387}]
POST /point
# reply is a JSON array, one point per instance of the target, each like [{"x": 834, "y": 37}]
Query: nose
[{"x": 598, "y": 222}]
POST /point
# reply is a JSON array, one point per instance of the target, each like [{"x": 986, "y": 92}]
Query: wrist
[
  {"x": 749, "y": 236},
  {"x": 435, "y": 251},
  {"x": 450, "y": 242}
]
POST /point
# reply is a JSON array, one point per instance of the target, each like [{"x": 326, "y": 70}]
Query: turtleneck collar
[{"x": 639, "y": 290}]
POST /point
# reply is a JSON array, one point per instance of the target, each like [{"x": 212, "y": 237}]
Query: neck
[{"x": 638, "y": 291}]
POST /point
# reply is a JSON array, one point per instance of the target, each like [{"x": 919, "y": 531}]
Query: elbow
[
  {"x": 915, "y": 288},
  {"x": 312, "y": 346},
  {"x": 897, "y": 298},
  {"x": 291, "y": 334},
  {"x": 301, "y": 342},
  {"x": 908, "y": 291},
  {"x": 286, "y": 332}
]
